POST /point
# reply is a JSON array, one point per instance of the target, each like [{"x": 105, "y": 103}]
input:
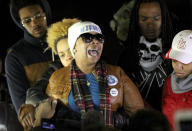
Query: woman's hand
[
  {"x": 28, "y": 120},
  {"x": 46, "y": 109},
  {"x": 26, "y": 116}
]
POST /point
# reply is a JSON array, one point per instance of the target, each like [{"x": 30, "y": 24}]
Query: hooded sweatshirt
[{"x": 26, "y": 60}]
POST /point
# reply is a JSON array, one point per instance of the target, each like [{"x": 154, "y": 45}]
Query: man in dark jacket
[{"x": 28, "y": 58}]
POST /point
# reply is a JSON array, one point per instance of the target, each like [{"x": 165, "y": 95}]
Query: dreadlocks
[
  {"x": 145, "y": 65},
  {"x": 134, "y": 30}
]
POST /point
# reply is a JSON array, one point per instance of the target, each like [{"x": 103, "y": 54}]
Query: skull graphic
[{"x": 149, "y": 53}]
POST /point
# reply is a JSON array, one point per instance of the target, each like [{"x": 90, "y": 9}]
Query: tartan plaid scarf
[{"x": 81, "y": 93}]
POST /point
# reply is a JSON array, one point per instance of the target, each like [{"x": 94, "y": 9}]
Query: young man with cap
[
  {"x": 177, "y": 90},
  {"x": 89, "y": 83}
]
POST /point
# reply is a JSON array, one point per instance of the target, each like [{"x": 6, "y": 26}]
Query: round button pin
[
  {"x": 112, "y": 80},
  {"x": 114, "y": 92}
]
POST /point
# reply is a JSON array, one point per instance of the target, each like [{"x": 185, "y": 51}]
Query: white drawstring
[
  {"x": 53, "y": 57},
  {"x": 52, "y": 53}
]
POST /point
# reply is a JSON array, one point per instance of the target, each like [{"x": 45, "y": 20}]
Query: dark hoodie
[{"x": 26, "y": 61}]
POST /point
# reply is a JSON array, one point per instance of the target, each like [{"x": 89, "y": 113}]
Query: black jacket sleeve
[{"x": 16, "y": 80}]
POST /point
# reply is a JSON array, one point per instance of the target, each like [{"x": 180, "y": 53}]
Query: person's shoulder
[
  {"x": 60, "y": 77},
  {"x": 15, "y": 53},
  {"x": 56, "y": 64},
  {"x": 57, "y": 72},
  {"x": 167, "y": 82},
  {"x": 60, "y": 74},
  {"x": 112, "y": 65},
  {"x": 114, "y": 68},
  {"x": 168, "y": 78},
  {"x": 19, "y": 45}
]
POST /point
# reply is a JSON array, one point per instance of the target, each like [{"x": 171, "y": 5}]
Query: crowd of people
[{"x": 60, "y": 77}]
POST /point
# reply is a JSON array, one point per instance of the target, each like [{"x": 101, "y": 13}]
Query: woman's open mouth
[{"x": 93, "y": 52}]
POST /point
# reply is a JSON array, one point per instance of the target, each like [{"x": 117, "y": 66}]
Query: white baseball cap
[
  {"x": 181, "y": 49},
  {"x": 80, "y": 28}
]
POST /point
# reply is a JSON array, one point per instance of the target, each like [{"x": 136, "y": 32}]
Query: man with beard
[
  {"x": 28, "y": 58},
  {"x": 149, "y": 37}
]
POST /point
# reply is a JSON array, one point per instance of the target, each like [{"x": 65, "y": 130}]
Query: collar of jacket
[{"x": 35, "y": 41}]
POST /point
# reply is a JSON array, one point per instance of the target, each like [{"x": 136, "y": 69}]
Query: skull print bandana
[{"x": 149, "y": 53}]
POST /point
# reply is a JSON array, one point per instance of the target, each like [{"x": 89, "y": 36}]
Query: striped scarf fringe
[{"x": 82, "y": 96}]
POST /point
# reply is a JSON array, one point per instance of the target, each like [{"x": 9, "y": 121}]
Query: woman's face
[
  {"x": 150, "y": 20},
  {"x": 182, "y": 70},
  {"x": 64, "y": 52},
  {"x": 88, "y": 48}
]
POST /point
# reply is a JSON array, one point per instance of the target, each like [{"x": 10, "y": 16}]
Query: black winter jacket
[{"x": 26, "y": 61}]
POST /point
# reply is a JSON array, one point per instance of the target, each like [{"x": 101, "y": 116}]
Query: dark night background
[{"x": 98, "y": 11}]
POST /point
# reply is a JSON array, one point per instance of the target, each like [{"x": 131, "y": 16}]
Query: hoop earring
[{"x": 74, "y": 51}]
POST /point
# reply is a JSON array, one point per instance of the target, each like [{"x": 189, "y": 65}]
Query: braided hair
[{"x": 132, "y": 42}]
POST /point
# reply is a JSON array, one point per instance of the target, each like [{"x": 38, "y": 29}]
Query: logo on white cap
[
  {"x": 181, "y": 49},
  {"x": 89, "y": 28},
  {"x": 181, "y": 44}
]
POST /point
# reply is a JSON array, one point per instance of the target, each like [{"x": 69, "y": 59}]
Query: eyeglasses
[
  {"x": 88, "y": 38},
  {"x": 38, "y": 17}
]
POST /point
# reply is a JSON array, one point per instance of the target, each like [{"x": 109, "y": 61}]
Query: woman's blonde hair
[{"x": 58, "y": 31}]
